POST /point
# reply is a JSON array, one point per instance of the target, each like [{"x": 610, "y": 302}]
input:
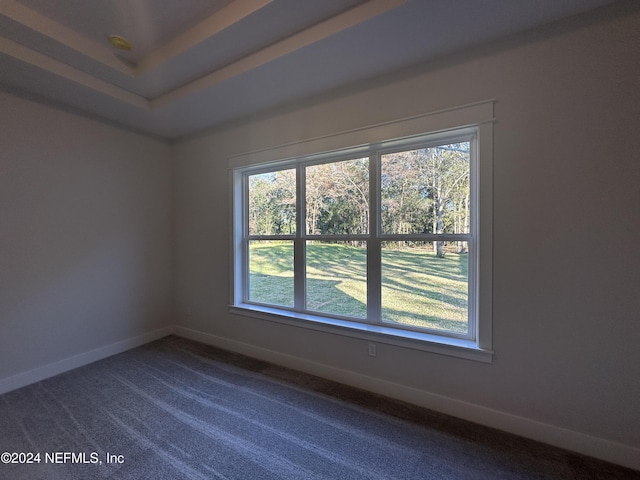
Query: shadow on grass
[
  {"x": 337, "y": 259},
  {"x": 399, "y": 317},
  {"x": 325, "y": 296},
  {"x": 271, "y": 289},
  {"x": 322, "y": 295},
  {"x": 419, "y": 289},
  {"x": 453, "y": 295},
  {"x": 451, "y": 267},
  {"x": 272, "y": 258}
]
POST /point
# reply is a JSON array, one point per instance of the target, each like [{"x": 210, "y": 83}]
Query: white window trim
[{"x": 385, "y": 136}]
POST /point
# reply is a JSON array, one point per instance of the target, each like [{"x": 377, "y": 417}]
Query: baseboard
[
  {"x": 578, "y": 442},
  {"x": 40, "y": 373}
]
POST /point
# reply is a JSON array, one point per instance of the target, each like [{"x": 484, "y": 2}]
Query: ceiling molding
[
  {"x": 213, "y": 25},
  {"x": 320, "y": 31},
  {"x": 44, "y": 25},
  {"x": 216, "y": 23},
  {"x": 24, "y": 54}
]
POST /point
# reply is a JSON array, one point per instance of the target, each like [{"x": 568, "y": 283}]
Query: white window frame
[{"x": 470, "y": 122}]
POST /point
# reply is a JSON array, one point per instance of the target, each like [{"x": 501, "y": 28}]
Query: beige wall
[
  {"x": 85, "y": 236},
  {"x": 566, "y": 290}
]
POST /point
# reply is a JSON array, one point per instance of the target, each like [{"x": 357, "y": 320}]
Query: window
[{"x": 380, "y": 242}]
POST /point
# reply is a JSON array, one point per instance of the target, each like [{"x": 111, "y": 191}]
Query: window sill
[{"x": 426, "y": 342}]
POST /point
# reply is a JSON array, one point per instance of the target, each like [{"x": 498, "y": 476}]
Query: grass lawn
[{"x": 418, "y": 289}]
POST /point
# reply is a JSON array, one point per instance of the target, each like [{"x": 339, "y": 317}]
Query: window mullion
[
  {"x": 374, "y": 270},
  {"x": 299, "y": 243},
  {"x": 243, "y": 233}
]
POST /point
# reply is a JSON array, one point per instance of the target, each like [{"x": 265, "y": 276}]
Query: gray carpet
[{"x": 175, "y": 409}]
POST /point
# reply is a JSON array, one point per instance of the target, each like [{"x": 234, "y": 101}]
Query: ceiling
[{"x": 198, "y": 64}]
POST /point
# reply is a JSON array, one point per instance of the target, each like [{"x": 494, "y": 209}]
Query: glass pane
[
  {"x": 426, "y": 190},
  {"x": 271, "y": 272},
  {"x": 425, "y": 284},
  {"x": 337, "y": 197},
  {"x": 337, "y": 278},
  {"x": 272, "y": 203}
]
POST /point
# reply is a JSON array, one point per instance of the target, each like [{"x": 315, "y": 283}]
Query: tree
[
  {"x": 426, "y": 191},
  {"x": 403, "y": 208},
  {"x": 445, "y": 170},
  {"x": 337, "y": 197},
  {"x": 272, "y": 203}
]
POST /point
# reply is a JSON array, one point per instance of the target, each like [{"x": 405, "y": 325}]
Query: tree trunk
[{"x": 439, "y": 211}]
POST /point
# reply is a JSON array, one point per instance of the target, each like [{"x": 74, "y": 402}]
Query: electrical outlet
[{"x": 372, "y": 350}]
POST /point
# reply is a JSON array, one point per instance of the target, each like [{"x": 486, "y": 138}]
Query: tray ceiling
[{"x": 196, "y": 64}]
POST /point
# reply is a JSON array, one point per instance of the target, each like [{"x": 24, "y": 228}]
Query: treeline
[{"x": 421, "y": 191}]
